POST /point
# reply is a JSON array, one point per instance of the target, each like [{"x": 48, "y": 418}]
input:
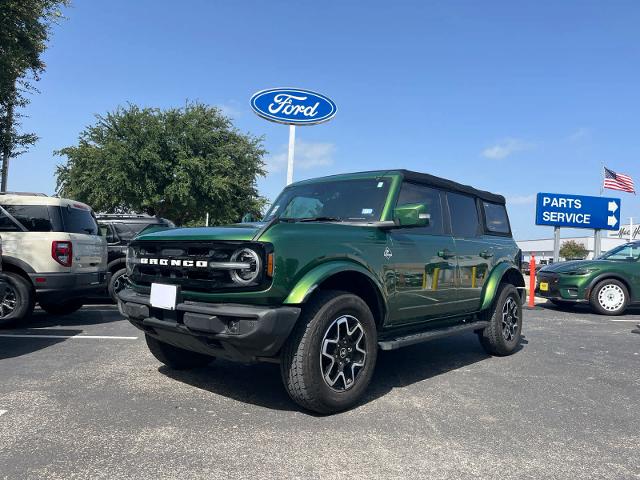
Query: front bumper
[
  {"x": 567, "y": 288},
  {"x": 243, "y": 333},
  {"x": 68, "y": 285}
]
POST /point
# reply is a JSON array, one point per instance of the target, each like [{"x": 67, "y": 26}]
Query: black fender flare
[
  {"x": 16, "y": 262},
  {"x": 115, "y": 263}
]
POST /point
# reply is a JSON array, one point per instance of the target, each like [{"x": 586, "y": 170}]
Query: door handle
[
  {"x": 486, "y": 254},
  {"x": 446, "y": 254}
]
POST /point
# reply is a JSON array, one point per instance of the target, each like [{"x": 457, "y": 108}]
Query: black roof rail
[{"x": 26, "y": 194}]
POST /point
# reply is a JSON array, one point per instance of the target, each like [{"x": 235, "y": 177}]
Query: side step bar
[{"x": 430, "y": 335}]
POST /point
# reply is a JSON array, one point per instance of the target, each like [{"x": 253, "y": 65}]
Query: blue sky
[{"x": 512, "y": 97}]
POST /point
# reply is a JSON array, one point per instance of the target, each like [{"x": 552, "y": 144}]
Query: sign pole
[
  {"x": 556, "y": 244},
  {"x": 596, "y": 243},
  {"x": 292, "y": 146}
]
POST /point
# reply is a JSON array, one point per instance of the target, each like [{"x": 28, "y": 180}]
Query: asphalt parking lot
[{"x": 98, "y": 405}]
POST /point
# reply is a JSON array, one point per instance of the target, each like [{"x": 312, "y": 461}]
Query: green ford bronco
[{"x": 340, "y": 267}]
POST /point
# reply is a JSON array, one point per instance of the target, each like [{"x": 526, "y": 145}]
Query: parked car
[
  {"x": 340, "y": 267},
  {"x": 52, "y": 254},
  {"x": 119, "y": 230},
  {"x": 609, "y": 283}
]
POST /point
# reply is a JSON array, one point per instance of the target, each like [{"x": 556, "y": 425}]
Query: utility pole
[{"x": 6, "y": 147}]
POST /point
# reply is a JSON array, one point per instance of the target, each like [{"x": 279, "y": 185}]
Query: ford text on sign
[
  {"x": 577, "y": 211},
  {"x": 293, "y": 106}
]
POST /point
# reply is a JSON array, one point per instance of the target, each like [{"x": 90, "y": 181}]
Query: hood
[
  {"x": 239, "y": 231},
  {"x": 562, "y": 267}
]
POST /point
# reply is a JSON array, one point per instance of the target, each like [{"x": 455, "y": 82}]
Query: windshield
[
  {"x": 629, "y": 252},
  {"x": 360, "y": 200}
]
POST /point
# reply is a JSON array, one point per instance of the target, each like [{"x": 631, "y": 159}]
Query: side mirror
[
  {"x": 411, "y": 215},
  {"x": 248, "y": 218}
]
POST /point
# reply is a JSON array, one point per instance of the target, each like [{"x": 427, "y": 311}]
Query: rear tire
[
  {"x": 609, "y": 297},
  {"x": 502, "y": 336},
  {"x": 62, "y": 308},
  {"x": 17, "y": 300},
  {"x": 329, "y": 358},
  {"x": 176, "y": 358}
]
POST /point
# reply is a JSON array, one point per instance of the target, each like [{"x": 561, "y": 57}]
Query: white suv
[{"x": 52, "y": 254}]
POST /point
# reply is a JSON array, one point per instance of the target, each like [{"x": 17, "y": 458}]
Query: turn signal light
[
  {"x": 270, "y": 265},
  {"x": 62, "y": 252}
]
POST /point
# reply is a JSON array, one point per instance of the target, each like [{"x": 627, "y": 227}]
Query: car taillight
[{"x": 62, "y": 252}]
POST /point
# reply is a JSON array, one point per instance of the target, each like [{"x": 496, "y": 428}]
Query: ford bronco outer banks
[{"x": 340, "y": 267}]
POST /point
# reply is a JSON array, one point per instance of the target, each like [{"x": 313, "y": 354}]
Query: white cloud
[
  {"x": 505, "y": 148},
  {"x": 521, "y": 199},
  {"x": 308, "y": 155},
  {"x": 579, "y": 134},
  {"x": 231, "y": 109}
]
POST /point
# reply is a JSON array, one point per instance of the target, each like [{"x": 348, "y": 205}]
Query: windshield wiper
[{"x": 319, "y": 219}]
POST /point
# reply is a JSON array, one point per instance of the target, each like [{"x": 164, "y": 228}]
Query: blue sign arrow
[{"x": 577, "y": 211}]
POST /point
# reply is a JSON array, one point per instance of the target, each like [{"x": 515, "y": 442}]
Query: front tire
[
  {"x": 502, "y": 336},
  {"x": 63, "y": 308},
  {"x": 176, "y": 358},
  {"x": 328, "y": 361},
  {"x": 609, "y": 297},
  {"x": 16, "y": 301},
  {"x": 117, "y": 282}
]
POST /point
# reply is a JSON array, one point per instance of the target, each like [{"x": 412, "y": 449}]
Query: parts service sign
[
  {"x": 293, "y": 106},
  {"x": 577, "y": 211}
]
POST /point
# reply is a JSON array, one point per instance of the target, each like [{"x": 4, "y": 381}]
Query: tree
[
  {"x": 179, "y": 163},
  {"x": 25, "y": 26},
  {"x": 573, "y": 250}
]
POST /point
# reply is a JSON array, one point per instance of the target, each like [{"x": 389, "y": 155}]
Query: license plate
[
  {"x": 544, "y": 287},
  {"x": 163, "y": 296}
]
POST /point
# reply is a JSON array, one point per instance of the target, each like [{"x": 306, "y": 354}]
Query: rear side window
[
  {"x": 7, "y": 225},
  {"x": 464, "y": 215},
  {"x": 78, "y": 220},
  {"x": 413, "y": 193},
  {"x": 35, "y": 218},
  {"x": 496, "y": 218},
  {"x": 126, "y": 231}
]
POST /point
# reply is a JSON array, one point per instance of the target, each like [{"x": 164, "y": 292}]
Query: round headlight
[
  {"x": 131, "y": 254},
  {"x": 245, "y": 276}
]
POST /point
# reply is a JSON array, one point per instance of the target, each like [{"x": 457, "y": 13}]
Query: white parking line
[
  {"x": 93, "y": 337},
  {"x": 634, "y": 321}
]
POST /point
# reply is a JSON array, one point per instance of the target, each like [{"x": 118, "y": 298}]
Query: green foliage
[
  {"x": 25, "y": 26},
  {"x": 179, "y": 163},
  {"x": 573, "y": 250}
]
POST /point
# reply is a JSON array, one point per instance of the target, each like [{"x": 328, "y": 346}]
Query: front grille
[{"x": 191, "y": 278}]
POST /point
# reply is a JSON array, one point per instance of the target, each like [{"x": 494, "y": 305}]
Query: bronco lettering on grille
[{"x": 165, "y": 262}]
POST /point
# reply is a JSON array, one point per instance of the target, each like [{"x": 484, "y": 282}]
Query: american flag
[{"x": 618, "y": 181}]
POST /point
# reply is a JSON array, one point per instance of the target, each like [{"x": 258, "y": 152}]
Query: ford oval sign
[{"x": 293, "y": 106}]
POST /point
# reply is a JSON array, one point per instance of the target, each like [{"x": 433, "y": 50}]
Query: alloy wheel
[
  {"x": 510, "y": 319},
  {"x": 120, "y": 283},
  {"x": 611, "y": 297},
  {"x": 8, "y": 302},
  {"x": 343, "y": 353}
]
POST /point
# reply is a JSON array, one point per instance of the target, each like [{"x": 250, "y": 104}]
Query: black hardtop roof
[
  {"x": 446, "y": 184},
  {"x": 425, "y": 179}
]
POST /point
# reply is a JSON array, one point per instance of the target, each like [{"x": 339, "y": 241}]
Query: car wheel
[
  {"x": 118, "y": 282},
  {"x": 174, "y": 357},
  {"x": 502, "y": 336},
  {"x": 62, "y": 308},
  {"x": 328, "y": 361},
  {"x": 609, "y": 297},
  {"x": 16, "y": 299}
]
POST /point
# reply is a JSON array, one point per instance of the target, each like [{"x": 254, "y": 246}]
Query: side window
[
  {"x": 107, "y": 232},
  {"x": 35, "y": 218},
  {"x": 464, "y": 215},
  {"x": 7, "y": 225},
  {"x": 124, "y": 231},
  {"x": 413, "y": 193},
  {"x": 496, "y": 218}
]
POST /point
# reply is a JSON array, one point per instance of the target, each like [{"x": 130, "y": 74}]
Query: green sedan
[{"x": 609, "y": 283}]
